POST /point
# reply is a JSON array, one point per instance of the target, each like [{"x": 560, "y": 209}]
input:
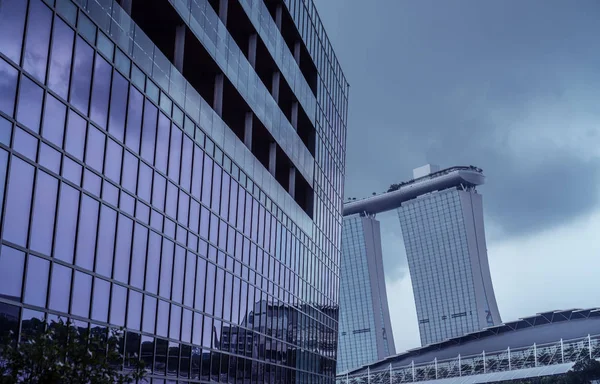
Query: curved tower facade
[
  {"x": 365, "y": 330},
  {"x": 445, "y": 244}
]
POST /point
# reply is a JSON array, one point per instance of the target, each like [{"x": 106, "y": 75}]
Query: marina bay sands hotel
[{"x": 441, "y": 217}]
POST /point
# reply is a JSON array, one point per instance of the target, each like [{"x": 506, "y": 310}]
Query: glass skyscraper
[
  {"x": 447, "y": 257},
  {"x": 365, "y": 330},
  {"x": 175, "y": 168}
]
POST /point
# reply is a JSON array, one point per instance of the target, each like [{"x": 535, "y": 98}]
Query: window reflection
[
  {"x": 60, "y": 288},
  {"x": 149, "y": 131},
  {"x": 37, "y": 39},
  {"x": 175, "y": 325},
  {"x": 144, "y": 182},
  {"x": 100, "y": 91},
  {"x": 149, "y": 318},
  {"x": 29, "y": 111},
  {"x": 147, "y": 354},
  {"x": 82, "y": 71},
  {"x": 134, "y": 119},
  {"x": 66, "y": 223},
  {"x": 82, "y": 291},
  {"x": 60, "y": 58},
  {"x": 18, "y": 201},
  {"x": 175, "y": 153},
  {"x": 53, "y": 126},
  {"x": 207, "y": 180},
  {"x": 106, "y": 241},
  {"x": 153, "y": 264},
  {"x": 118, "y": 106},
  {"x": 166, "y": 268},
  {"x": 186, "y": 326},
  {"x": 178, "y": 274},
  {"x": 158, "y": 191},
  {"x": 138, "y": 258},
  {"x": 44, "y": 207},
  {"x": 162, "y": 318},
  {"x": 8, "y": 87},
  {"x": 123, "y": 248},
  {"x": 117, "y": 305},
  {"x": 162, "y": 143},
  {"x": 12, "y": 265},
  {"x": 36, "y": 284},
  {"x": 134, "y": 310},
  {"x": 100, "y": 299},
  {"x": 12, "y": 25},
  {"x": 86, "y": 239},
  {"x": 186, "y": 161},
  {"x": 112, "y": 164},
  {"x": 96, "y": 142}
]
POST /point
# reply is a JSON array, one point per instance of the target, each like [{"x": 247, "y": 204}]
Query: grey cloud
[{"x": 457, "y": 83}]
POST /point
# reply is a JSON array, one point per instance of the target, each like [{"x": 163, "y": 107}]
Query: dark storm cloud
[{"x": 469, "y": 82}]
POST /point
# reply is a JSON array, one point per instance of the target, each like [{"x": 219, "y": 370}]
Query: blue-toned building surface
[
  {"x": 365, "y": 332},
  {"x": 175, "y": 168},
  {"x": 444, "y": 236}
]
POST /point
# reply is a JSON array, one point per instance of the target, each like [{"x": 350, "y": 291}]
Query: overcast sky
[{"x": 510, "y": 86}]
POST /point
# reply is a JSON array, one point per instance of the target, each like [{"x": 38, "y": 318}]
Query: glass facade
[
  {"x": 128, "y": 201},
  {"x": 365, "y": 332},
  {"x": 445, "y": 245}
]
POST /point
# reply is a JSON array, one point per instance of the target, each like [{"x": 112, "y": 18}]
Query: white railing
[{"x": 562, "y": 351}]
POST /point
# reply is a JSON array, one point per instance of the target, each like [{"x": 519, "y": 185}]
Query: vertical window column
[
  {"x": 277, "y": 74},
  {"x": 275, "y": 92},
  {"x": 249, "y": 115},
  {"x": 220, "y": 77}
]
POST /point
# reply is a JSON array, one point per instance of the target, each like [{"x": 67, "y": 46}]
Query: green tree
[{"x": 63, "y": 353}]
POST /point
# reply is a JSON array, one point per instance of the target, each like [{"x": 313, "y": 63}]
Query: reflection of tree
[{"x": 64, "y": 353}]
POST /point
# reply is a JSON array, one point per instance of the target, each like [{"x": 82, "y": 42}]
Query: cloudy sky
[{"x": 510, "y": 86}]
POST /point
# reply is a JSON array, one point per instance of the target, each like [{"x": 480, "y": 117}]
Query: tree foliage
[{"x": 63, "y": 353}]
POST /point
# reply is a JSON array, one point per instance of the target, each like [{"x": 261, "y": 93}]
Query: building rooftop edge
[{"x": 469, "y": 176}]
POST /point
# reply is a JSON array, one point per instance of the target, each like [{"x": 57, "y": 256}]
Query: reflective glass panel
[
  {"x": 8, "y": 87},
  {"x": 106, "y": 240},
  {"x": 100, "y": 299},
  {"x": 29, "y": 111},
  {"x": 86, "y": 239},
  {"x": 100, "y": 91},
  {"x": 66, "y": 223},
  {"x": 123, "y": 248},
  {"x": 12, "y": 264},
  {"x": 153, "y": 264},
  {"x": 36, "y": 284},
  {"x": 61, "y": 54},
  {"x": 44, "y": 208},
  {"x": 134, "y": 310},
  {"x": 134, "y": 119},
  {"x": 82, "y": 291},
  {"x": 138, "y": 258},
  {"x": 118, "y": 106},
  {"x": 18, "y": 201},
  {"x": 53, "y": 126},
  {"x": 60, "y": 288},
  {"x": 82, "y": 75},
  {"x": 149, "y": 318},
  {"x": 37, "y": 39},
  {"x": 12, "y": 24},
  {"x": 117, "y": 305}
]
